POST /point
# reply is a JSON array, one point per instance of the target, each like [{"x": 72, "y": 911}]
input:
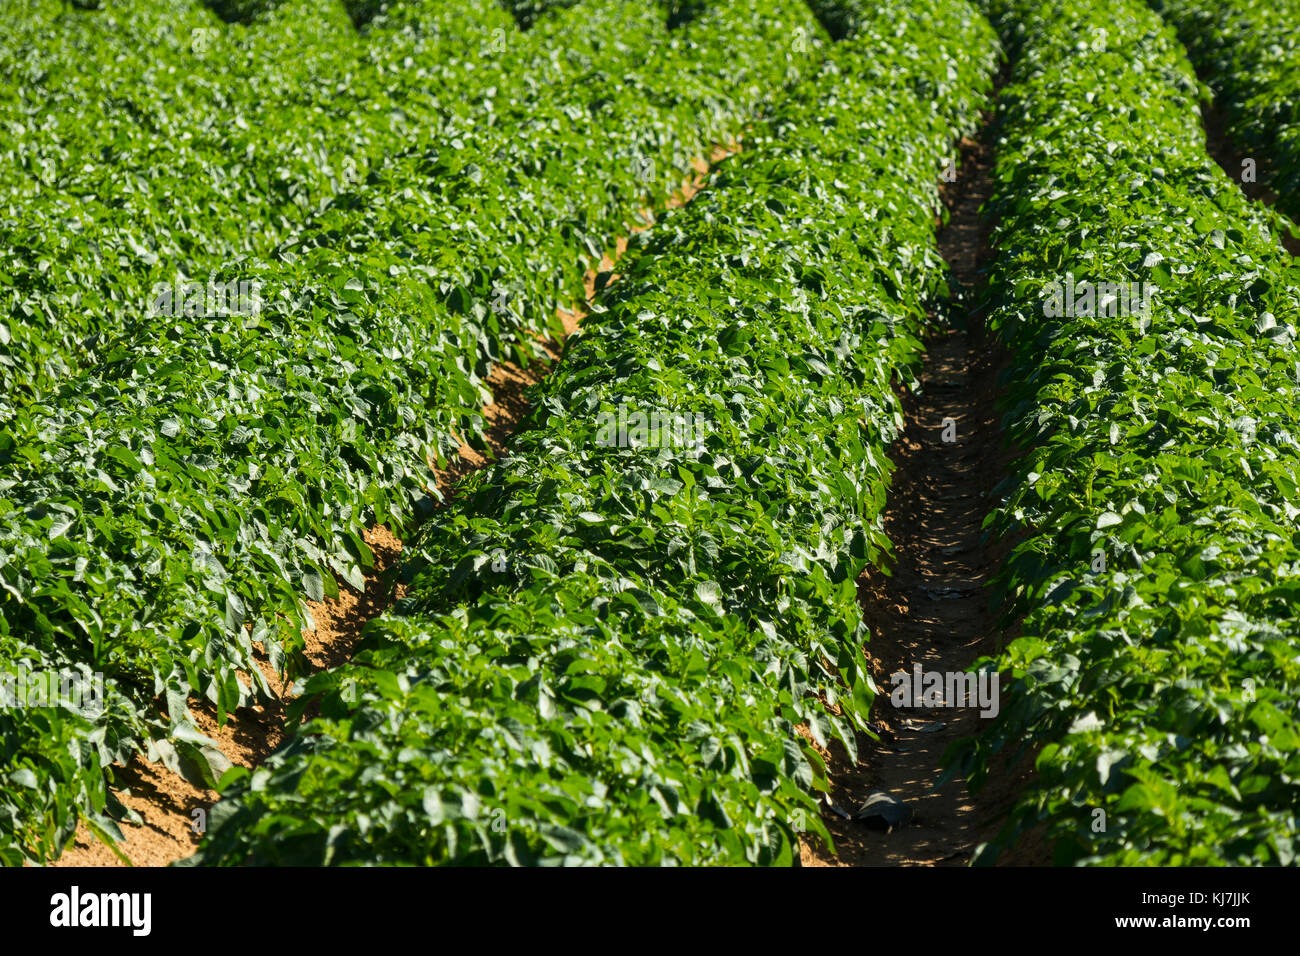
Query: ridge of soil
[
  {"x": 166, "y": 801},
  {"x": 932, "y": 610}
]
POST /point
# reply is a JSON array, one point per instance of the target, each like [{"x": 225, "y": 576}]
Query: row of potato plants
[
  {"x": 170, "y": 508},
  {"x": 216, "y": 144},
  {"x": 149, "y": 145},
  {"x": 52, "y": 779},
  {"x": 1155, "y": 578},
  {"x": 1248, "y": 52},
  {"x": 610, "y": 637},
  {"x": 132, "y": 153},
  {"x": 432, "y": 74}
]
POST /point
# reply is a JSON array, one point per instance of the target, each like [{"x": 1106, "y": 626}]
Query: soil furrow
[{"x": 932, "y": 612}]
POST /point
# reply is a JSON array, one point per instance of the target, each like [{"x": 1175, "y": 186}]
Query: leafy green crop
[
  {"x": 609, "y": 636},
  {"x": 207, "y": 144},
  {"x": 1155, "y": 578},
  {"x": 527, "y": 11},
  {"x": 173, "y": 503},
  {"x": 1249, "y": 51}
]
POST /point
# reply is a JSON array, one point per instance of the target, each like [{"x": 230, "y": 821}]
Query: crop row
[
  {"x": 144, "y": 144},
  {"x": 610, "y": 637},
  {"x": 150, "y": 145},
  {"x": 1249, "y": 53},
  {"x": 170, "y": 507},
  {"x": 1155, "y": 581},
  {"x": 505, "y": 108},
  {"x": 156, "y": 148}
]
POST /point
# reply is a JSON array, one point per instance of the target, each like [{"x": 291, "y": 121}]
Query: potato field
[{"x": 641, "y": 432}]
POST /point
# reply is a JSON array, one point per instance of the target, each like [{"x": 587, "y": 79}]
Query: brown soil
[
  {"x": 166, "y": 801},
  {"x": 933, "y": 610}
]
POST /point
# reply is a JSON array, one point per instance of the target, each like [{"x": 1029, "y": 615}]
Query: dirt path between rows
[
  {"x": 172, "y": 808},
  {"x": 933, "y": 612}
]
